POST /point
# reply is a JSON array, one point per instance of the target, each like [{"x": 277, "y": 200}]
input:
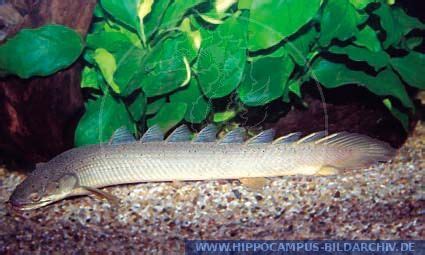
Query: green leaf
[
  {"x": 405, "y": 22},
  {"x": 224, "y": 116},
  {"x": 116, "y": 43},
  {"x": 361, "y": 4},
  {"x": 169, "y": 116},
  {"x": 294, "y": 86},
  {"x": 97, "y": 27},
  {"x": 144, "y": 8},
  {"x": 265, "y": 80},
  {"x": 88, "y": 56},
  {"x": 137, "y": 107},
  {"x": 89, "y": 78},
  {"x": 109, "y": 40},
  {"x": 123, "y": 11},
  {"x": 92, "y": 78},
  {"x": 386, "y": 83},
  {"x": 221, "y": 62},
  {"x": 175, "y": 12},
  {"x": 367, "y": 38},
  {"x": 389, "y": 24},
  {"x": 396, "y": 23},
  {"x": 112, "y": 26},
  {"x": 98, "y": 11},
  {"x": 107, "y": 66},
  {"x": 128, "y": 68},
  {"x": 40, "y": 52},
  {"x": 168, "y": 69},
  {"x": 153, "y": 19},
  {"x": 339, "y": 21},
  {"x": 299, "y": 47},
  {"x": 154, "y": 106},
  {"x": 214, "y": 17},
  {"x": 273, "y": 20},
  {"x": 244, "y": 4},
  {"x": 413, "y": 42},
  {"x": 102, "y": 117},
  {"x": 401, "y": 116},
  {"x": 198, "y": 107},
  {"x": 221, "y": 6},
  {"x": 411, "y": 68},
  {"x": 133, "y": 37},
  {"x": 193, "y": 34},
  {"x": 377, "y": 60}
]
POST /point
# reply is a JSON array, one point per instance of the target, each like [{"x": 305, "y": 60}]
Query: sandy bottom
[{"x": 385, "y": 201}]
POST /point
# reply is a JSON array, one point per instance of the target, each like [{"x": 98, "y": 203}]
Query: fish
[{"x": 184, "y": 156}]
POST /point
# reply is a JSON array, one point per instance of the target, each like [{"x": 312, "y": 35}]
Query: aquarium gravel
[{"x": 385, "y": 201}]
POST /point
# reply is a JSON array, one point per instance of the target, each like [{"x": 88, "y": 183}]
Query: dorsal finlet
[
  {"x": 153, "y": 134},
  {"x": 121, "y": 135},
  {"x": 234, "y": 136},
  {"x": 289, "y": 138},
  {"x": 207, "y": 134},
  {"x": 180, "y": 134},
  {"x": 332, "y": 137},
  {"x": 266, "y": 136},
  {"x": 312, "y": 137},
  {"x": 341, "y": 138}
]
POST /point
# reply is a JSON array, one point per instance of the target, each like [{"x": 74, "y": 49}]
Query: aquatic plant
[{"x": 163, "y": 62}]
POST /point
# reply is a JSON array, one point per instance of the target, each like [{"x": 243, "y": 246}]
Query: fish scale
[{"x": 190, "y": 161}]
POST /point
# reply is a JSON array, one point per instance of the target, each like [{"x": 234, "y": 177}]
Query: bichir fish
[{"x": 123, "y": 160}]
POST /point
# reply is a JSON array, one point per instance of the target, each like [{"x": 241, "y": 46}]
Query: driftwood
[{"x": 38, "y": 115}]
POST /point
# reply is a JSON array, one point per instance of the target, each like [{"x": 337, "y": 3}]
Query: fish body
[
  {"x": 100, "y": 166},
  {"x": 83, "y": 170}
]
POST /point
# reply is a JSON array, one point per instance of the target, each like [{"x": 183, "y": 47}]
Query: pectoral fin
[
  {"x": 255, "y": 184},
  {"x": 177, "y": 184},
  {"x": 327, "y": 170},
  {"x": 113, "y": 200}
]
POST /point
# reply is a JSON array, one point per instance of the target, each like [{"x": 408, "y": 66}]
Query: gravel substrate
[{"x": 385, "y": 201}]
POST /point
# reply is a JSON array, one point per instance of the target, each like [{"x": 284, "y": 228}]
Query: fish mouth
[{"x": 28, "y": 206}]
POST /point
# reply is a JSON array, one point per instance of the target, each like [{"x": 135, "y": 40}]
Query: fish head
[{"x": 42, "y": 187}]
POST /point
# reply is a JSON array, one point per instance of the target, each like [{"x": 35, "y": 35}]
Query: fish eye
[{"x": 35, "y": 197}]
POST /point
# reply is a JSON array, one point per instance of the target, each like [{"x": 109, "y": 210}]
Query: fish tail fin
[{"x": 350, "y": 150}]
